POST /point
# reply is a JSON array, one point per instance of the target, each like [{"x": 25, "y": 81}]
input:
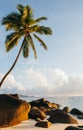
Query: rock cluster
[
  {"x": 14, "y": 110},
  {"x": 40, "y": 108}
]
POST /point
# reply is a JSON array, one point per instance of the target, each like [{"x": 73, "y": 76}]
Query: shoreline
[
  {"x": 39, "y": 109},
  {"x": 30, "y": 125}
]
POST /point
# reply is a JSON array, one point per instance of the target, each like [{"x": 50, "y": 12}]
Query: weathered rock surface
[
  {"x": 50, "y": 112},
  {"x": 75, "y": 111},
  {"x": 59, "y": 116},
  {"x": 72, "y": 128},
  {"x": 36, "y": 113},
  {"x": 80, "y": 116},
  {"x": 66, "y": 109},
  {"x": 12, "y": 110},
  {"x": 44, "y": 103},
  {"x": 80, "y": 126},
  {"x": 44, "y": 124},
  {"x": 14, "y": 95},
  {"x": 44, "y": 109}
]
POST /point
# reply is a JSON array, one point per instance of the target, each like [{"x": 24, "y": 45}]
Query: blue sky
[{"x": 61, "y": 67}]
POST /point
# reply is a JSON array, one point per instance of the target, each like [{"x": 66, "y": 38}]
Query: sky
[{"x": 57, "y": 71}]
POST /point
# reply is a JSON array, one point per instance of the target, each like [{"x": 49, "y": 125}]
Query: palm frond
[
  {"x": 25, "y": 50},
  {"x": 32, "y": 45},
  {"x": 27, "y": 16},
  {"x": 32, "y": 28},
  {"x": 44, "y": 30},
  {"x": 33, "y": 22},
  {"x": 30, "y": 12},
  {"x": 20, "y": 8},
  {"x": 12, "y": 21},
  {"x": 11, "y": 41},
  {"x": 40, "y": 19},
  {"x": 24, "y": 24},
  {"x": 42, "y": 42}
]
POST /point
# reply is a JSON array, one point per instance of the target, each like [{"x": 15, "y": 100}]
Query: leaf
[
  {"x": 25, "y": 48},
  {"x": 44, "y": 30},
  {"x": 12, "y": 21},
  {"x": 42, "y": 42},
  {"x": 11, "y": 41},
  {"x": 20, "y": 8},
  {"x": 32, "y": 45},
  {"x": 40, "y": 19}
]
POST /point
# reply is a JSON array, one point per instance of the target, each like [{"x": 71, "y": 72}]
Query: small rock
[
  {"x": 36, "y": 113},
  {"x": 80, "y": 126},
  {"x": 38, "y": 119},
  {"x": 80, "y": 117},
  {"x": 66, "y": 109},
  {"x": 44, "y": 124}
]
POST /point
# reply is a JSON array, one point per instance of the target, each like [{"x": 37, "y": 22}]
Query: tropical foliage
[{"x": 22, "y": 24}]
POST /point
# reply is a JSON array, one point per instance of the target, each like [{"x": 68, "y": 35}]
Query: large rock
[
  {"x": 12, "y": 110},
  {"x": 44, "y": 103},
  {"x": 71, "y": 128},
  {"x": 50, "y": 112},
  {"x": 58, "y": 116},
  {"x": 14, "y": 95},
  {"x": 80, "y": 127},
  {"x": 36, "y": 113},
  {"x": 44, "y": 109},
  {"x": 75, "y": 111}
]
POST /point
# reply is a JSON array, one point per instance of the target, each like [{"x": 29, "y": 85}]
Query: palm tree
[{"x": 23, "y": 25}]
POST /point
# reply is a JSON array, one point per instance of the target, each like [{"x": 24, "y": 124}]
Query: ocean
[{"x": 70, "y": 101}]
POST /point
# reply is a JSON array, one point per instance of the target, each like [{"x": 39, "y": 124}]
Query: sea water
[{"x": 70, "y": 101}]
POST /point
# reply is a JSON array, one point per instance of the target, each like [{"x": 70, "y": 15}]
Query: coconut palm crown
[{"x": 22, "y": 24}]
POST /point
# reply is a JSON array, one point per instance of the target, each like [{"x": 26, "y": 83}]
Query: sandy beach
[{"x": 30, "y": 125}]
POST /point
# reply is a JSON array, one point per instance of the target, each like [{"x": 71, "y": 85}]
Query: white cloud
[
  {"x": 52, "y": 81},
  {"x": 11, "y": 86},
  {"x": 45, "y": 81},
  {"x": 36, "y": 77}
]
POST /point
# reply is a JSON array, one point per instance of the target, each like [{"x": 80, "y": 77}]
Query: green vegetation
[{"x": 23, "y": 25}]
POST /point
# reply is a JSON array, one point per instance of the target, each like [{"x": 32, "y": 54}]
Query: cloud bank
[{"x": 44, "y": 81}]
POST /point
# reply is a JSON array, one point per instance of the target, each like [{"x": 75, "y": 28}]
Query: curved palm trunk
[{"x": 11, "y": 66}]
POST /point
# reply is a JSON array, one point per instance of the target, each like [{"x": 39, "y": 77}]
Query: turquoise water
[{"x": 71, "y": 101}]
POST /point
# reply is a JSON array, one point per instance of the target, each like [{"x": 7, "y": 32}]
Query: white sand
[{"x": 30, "y": 125}]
